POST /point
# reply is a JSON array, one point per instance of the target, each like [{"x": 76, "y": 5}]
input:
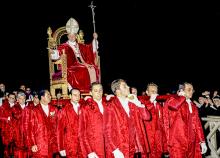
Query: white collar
[
  {"x": 74, "y": 104},
  {"x": 98, "y": 101},
  {"x": 71, "y": 43},
  {"x": 101, "y": 109},
  {"x": 124, "y": 103},
  {"x": 75, "y": 107},
  {"x": 11, "y": 104},
  {"x": 189, "y": 103},
  {"x": 123, "y": 100},
  {"x": 22, "y": 106},
  {"x": 44, "y": 105},
  {"x": 45, "y": 108}
]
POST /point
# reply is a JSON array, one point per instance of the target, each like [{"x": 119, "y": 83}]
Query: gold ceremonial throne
[{"x": 58, "y": 68}]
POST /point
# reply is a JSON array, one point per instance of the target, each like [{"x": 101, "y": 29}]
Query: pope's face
[{"x": 72, "y": 37}]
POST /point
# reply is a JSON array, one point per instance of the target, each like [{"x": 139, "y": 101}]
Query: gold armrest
[{"x": 59, "y": 61}]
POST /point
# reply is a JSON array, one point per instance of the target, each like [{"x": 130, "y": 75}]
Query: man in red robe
[
  {"x": 183, "y": 127},
  {"x": 81, "y": 67},
  {"x": 122, "y": 135},
  {"x": 91, "y": 134},
  {"x": 43, "y": 128},
  {"x": 68, "y": 125},
  {"x": 7, "y": 125},
  {"x": 155, "y": 127},
  {"x": 19, "y": 126},
  {"x": 26, "y": 120}
]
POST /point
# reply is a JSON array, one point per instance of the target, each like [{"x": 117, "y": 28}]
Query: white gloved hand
[
  {"x": 108, "y": 97},
  {"x": 197, "y": 104},
  {"x": 133, "y": 98},
  {"x": 9, "y": 118},
  {"x": 118, "y": 154},
  {"x": 92, "y": 155},
  {"x": 63, "y": 152},
  {"x": 203, "y": 148},
  {"x": 153, "y": 97},
  {"x": 87, "y": 97},
  {"x": 181, "y": 93},
  {"x": 34, "y": 148}
]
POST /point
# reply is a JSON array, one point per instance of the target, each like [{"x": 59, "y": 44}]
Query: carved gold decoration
[
  {"x": 61, "y": 83},
  {"x": 80, "y": 37}
]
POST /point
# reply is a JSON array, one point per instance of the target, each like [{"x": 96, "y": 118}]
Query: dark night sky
[{"x": 138, "y": 42}]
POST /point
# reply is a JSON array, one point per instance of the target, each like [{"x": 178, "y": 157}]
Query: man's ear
[
  {"x": 146, "y": 92},
  {"x": 116, "y": 92},
  {"x": 90, "y": 93}
]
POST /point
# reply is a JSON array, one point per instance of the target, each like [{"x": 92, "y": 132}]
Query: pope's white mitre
[{"x": 72, "y": 26}]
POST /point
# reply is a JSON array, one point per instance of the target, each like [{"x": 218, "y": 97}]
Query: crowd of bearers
[{"x": 122, "y": 125}]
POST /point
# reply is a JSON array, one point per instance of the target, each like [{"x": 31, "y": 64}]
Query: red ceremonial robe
[
  {"x": 20, "y": 131},
  {"x": 68, "y": 125},
  {"x": 43, "y": 131},
  {"x": 155, "y": 129},
  {"x": 183, "y": 129},
  {"x": 6, "y": 128},
  {"x": 120, "y": 130},
  {"x": 91, "y": 129},
  {"x": 77, "y": 73}
]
